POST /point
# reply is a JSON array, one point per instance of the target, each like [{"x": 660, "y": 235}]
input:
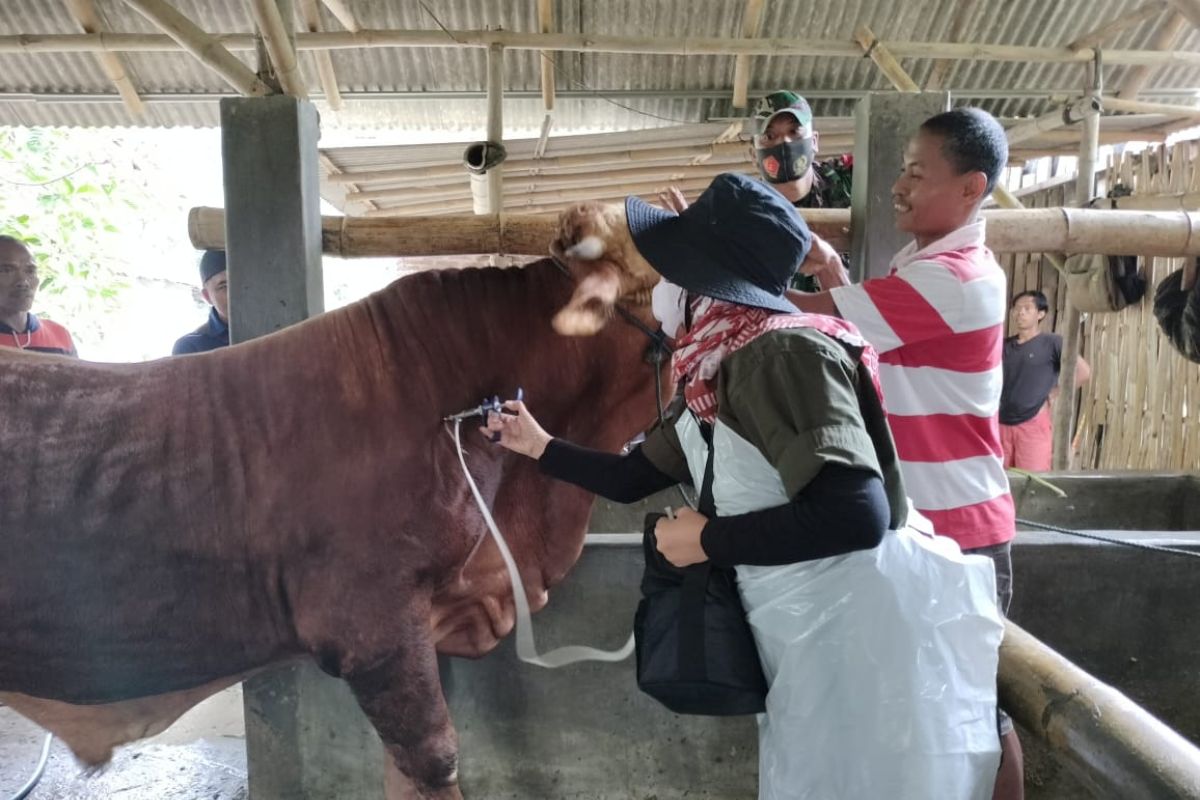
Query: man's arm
[{"x": 813, "y": 302}]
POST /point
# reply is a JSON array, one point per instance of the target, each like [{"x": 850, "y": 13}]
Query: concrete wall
[{"x": 586, "y": 732}]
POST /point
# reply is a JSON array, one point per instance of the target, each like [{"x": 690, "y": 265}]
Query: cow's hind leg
[{"x": 402, "y": 696}]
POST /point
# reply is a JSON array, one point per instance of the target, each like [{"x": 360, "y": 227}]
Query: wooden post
[
  {"x": 1190, "y": 9},
  {"x": 1064, "y": 411}
]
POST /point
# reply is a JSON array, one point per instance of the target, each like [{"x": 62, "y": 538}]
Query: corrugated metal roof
[{"x": 372, "y": 72}]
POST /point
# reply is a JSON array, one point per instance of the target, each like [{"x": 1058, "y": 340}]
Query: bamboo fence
[{"x": 1141, "y": 409}]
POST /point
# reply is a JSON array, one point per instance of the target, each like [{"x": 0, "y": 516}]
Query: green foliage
[{"x": 67, "y": 202}]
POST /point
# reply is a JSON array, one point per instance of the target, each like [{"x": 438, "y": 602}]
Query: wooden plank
[
  {"x": 883, "y": 58},
  {"x": 751, "y": 21},
  {"x": 84, "y": 12}
]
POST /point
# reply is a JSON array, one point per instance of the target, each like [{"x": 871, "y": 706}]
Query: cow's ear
[{"x": 589, "y": 308}]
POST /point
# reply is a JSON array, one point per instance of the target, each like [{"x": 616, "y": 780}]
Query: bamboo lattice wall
[{"x": 1141, "y": 409}]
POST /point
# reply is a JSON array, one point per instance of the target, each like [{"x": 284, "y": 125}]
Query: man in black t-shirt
[{"x": 1032, "y": 361}]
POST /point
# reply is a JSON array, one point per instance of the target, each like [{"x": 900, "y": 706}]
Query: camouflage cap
[{"x": 779, "y": 102}]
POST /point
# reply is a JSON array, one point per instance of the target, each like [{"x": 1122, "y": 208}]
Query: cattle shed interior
[{"x": 453, "y": 132}]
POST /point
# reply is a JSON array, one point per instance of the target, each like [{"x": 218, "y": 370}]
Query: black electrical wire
[{"x": 1096, "y": 537}]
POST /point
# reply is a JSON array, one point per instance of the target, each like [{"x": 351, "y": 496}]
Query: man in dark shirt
[
  {"x": 1032, "y": 361},
  {"x": 215, "y": 332}
]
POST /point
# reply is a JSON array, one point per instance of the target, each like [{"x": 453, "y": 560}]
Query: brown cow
[{"x": 168, "y": 528}]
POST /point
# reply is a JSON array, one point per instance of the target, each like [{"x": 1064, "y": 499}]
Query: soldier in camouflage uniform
[{"x": 785, "y": 147}]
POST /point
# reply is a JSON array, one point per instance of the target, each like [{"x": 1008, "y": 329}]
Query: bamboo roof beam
[
  {"x": 1052, "y": 120},
  {"x": 1137, "y": 78},
  {"x": 521, "y": 170},
  {"x": 1143, "y": 107},
  {"x": 207, "y": 49},
  {"x": 1096, "y": 37},
  {"x": 941, "y": 67},
  {"x": 1189, "y": 9},
  {"x": 279, "y": 48},
  {"x": 545, "y": 13},
  {"x": 344, "y": 15},
  {"x": 751, "y": 23},
  {"x": 311, "y": 15},
  {"x": 84, "y": 12},
  {"x": 663, "y": 174},
  {"x": 883, "y": 58},
  {"x": 595, "y": 43},
  {"x": 585, "y": 161},
  {"x": 1038, "y": 230}
]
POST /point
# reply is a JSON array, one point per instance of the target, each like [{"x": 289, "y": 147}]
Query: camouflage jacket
[{"x": 830, "y": 189}]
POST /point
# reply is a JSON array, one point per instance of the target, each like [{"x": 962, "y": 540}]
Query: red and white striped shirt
[{"x": 937, "y": 321}]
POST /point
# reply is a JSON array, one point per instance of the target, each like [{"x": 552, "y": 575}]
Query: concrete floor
[{"x": 200, "y": 757}]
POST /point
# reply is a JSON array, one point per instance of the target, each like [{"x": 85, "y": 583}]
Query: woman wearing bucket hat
[{"x": 850, "y": 613}]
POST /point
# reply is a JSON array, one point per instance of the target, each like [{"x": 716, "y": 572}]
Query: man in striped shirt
[
  {"x": 19, "y": 327},
  {"x": 937, "y": 320}
]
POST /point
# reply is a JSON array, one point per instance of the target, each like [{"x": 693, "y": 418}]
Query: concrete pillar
[
  {"x": 883, "y": 122},
  {"x": 306, "y": 738}
]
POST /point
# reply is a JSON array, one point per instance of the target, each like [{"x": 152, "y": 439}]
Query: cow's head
[{"x": 593, "y": 241}]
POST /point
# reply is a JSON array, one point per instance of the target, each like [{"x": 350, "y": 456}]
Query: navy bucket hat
[
  {"x": 741, "y": 241},
  {"x": 211, "y": 263}
]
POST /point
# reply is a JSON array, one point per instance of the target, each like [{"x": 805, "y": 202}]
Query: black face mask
[{"x": 786, "y": 161}]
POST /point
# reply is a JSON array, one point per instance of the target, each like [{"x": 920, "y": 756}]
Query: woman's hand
[
  {"x": 519, "y": 432},
  {"x": 679, "y": 538}
]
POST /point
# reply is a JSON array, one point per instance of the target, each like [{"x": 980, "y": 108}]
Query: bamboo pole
[
  {"x": 941, "y": 67},
  {"x": 1043, "y": 230},
  {"x": 883, "y": 58},
  {"x": 283, "y": 56},
  {"x": 1066, "y": 405},
  {"x": 545, "y": 13},
  {"x": 207, "y": 49},
  {"x": 515, "y": 182},
  {"x": 734, "y": 151},
  {"x": 84, "y": 12},
  {"x": 1137, "y": 78},
  {"x": 1143, "y": 107},
  {"x": 1189, "y": 201},
  {"x": 495, "y": 125},
  {"x": 1072, "y": 113},
  {"x": 751, "y": 18},
  {"x": 1006, "y": 199},
  {"x": 595, "y": 43},
  {"x": 1096, "y": 37},
  {"x": 1190, "y": 9},
  {"x": 325, "y": 71},
  {"x": 344, "y": 15},
  {"x": 1117, "y": 747}
]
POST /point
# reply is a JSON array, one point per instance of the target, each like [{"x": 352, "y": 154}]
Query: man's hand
[
  {"x": 824, "y": 264},
  {"x": 679, "y": 538}
]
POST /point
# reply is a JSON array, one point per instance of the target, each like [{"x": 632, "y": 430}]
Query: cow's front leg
[{"x": 402, "y": 696}]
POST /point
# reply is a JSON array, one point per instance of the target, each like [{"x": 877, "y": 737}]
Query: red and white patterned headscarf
[{"x": 721, "y": 328}]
